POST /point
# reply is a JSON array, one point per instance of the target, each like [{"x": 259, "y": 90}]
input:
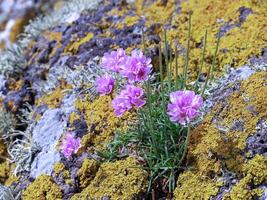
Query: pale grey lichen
[
  {"x": 12, "y": 60},
  {"x": 7, "y": 124},
  {"x": 6, "y": 193}
]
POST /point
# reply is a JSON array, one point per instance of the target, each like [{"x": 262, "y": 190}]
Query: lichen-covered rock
[
  {"x": 42, "y": 188},
  {"x": 219, "y": 145},
  {"x": 123, "y": 179}
]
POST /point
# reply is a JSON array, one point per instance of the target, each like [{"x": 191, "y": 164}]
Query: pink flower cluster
[
  {"x": 128, "y": 98},
  {"x": 70, "y": 145},
  {"x": 184, "y": 106},
  {"x": 135, "y": 68}
]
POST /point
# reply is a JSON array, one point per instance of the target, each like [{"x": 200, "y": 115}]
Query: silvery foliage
[
  {"x": 6, "y": 193},
  {"x": 22, "y": 149},
  {"x": 57, "y": 17},
  {"x": 7, "y": 124},
  {"x": 12, "y": 60}
]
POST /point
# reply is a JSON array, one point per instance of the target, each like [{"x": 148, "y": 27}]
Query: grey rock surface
[{"x": 46, "y": 135}]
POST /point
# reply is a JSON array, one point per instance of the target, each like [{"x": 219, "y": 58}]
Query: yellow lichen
[
  {"x": 128, "y": 21},
  {"x": 42, "y": 188},
  {"x": 73, "y": 116},
  {"x": 122, "y": 179},
  {"x": 54, "y": 36},
  {"x": 73, "y": 47},
  {"x": 239, "y": 43},
  {"x": 212, "y": 150},
  {"x": 53, "y": 99},
  {"x": 4, "y": 171},
  {"x": 255, "y": 173},
  {"x": 87, "y": 172},
  {"x": 101, "y": 120},
  {"x": 192, "y": 186},
  {"x": 60, "y": 170}
]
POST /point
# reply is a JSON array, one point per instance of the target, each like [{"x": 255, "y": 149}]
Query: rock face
[{"x": 53, "y": 68}]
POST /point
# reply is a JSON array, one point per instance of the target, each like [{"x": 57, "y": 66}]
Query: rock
[{"x": 46, "y": 135}]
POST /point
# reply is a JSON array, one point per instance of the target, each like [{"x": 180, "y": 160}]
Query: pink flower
[
  {"x": 121, "y": 104},
  {"x": 114, "y": 60},
  {"x": 105, "y": 84},
  {"x": 184, "y": 106},
  {"x": 70, "y": 145},
  {"x": 136, "y": 67},
  {"x": 130, "y": 97}
]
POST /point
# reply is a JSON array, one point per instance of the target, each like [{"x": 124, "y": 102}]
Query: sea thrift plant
[
  {"x": 130, "y": 97},
  {"x": 136, "y": 67},
  {"x": 70, "y": 145},
  {"x": 105, "y": 84},
  {"x": 184, "y": 106},
  {"x": 113, "y": 60}
]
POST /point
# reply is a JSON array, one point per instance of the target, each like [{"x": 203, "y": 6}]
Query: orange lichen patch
[
  {"x": 53, "y": 99},
  {"x": 87, "y": 172},
  {"x": 239, "y": 43},
  {"x": 101, "y": 120},
  {"x": 42, "y": 188},
  {"x": 15, "y": 85},
  {"x": 254, "y": 173},
  {"x": 215, "y": 145},
  {"x": 73, "y": 47},
  {"x": 122, "y": 179}
]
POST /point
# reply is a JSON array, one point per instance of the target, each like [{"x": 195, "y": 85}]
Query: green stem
[
  {"x": 214, "y": 56},
  {"x": 186, "y": 143},
  {"x": 161, "y": 68},
  {"x": 167, "y": 60},
  {"x": 202, "y": 59},
  {"x": 211, "y": 68},
  {"x": 176, "y": 67},
  {"x": 187, "y": 52}
]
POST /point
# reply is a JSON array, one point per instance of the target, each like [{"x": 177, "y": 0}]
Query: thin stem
[
  {"x": 176, "y": 67},
  {"x": 206, "y": 81},
  {"x": 186, "y": 143},
  {"x": 167, "y": 59},
  {"x": 160, "y": 67},
  {"x": 202, "y": 58},
  {"x": 211, "y": 68},
  {"x": 187, "y": 52},
  {"x": 214, "y": 56}
]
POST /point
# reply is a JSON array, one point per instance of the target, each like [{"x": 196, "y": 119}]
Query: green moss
[
  {"x": 42, "y": 188},
  {"x": 122, "y": 179}
]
